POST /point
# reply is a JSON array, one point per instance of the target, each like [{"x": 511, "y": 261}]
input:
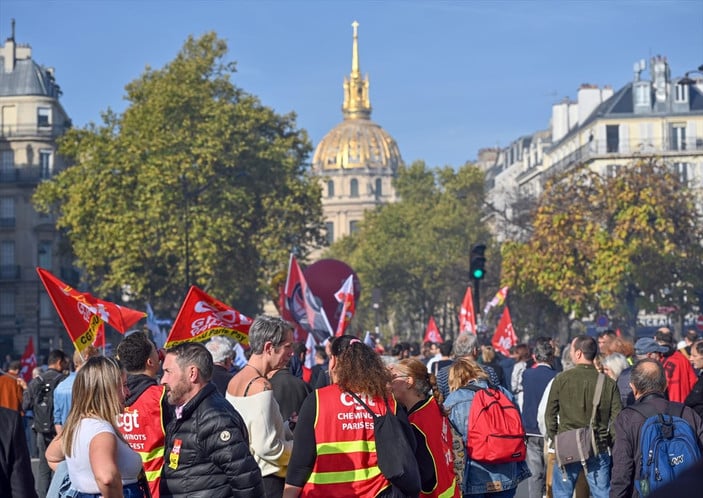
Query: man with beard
[
  {"x": 207, "y": 444},
  {"x": 146, "y": 412}
]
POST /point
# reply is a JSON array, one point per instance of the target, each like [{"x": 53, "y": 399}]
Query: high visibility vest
[
  {"x": 142, "y": 426},
  {"x": 346, "y": 462},
  {"x": 435, "y": 428}
]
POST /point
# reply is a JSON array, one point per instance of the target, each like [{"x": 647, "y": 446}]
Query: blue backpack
[{"x": 668, "y": 446}]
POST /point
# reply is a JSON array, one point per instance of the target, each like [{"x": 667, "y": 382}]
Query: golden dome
[{"x": 356, "y": 142}]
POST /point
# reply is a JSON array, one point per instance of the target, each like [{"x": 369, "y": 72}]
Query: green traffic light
[{"x": 478, "y": 274}]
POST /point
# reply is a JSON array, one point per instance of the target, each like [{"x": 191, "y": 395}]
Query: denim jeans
[
  {"x": 128, "y": 491},
  {"x": 535, "y": 461},
  {"x": 508, "y": 493},
  {"x": 597, "y": 475}
]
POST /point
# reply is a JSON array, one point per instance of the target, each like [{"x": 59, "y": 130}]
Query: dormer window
[{"x": 681, "y": 94}]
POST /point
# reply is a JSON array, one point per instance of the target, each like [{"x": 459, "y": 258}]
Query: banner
[
  {"x": 82, "y": 314},
  {"x": 303, "y": 307},
  {"x": 345, "y": 296},
  {"x": 158, "y": 335},
  {"x": 497, "y": 300},
  {"x": 28, "y": 361},
  {"x": 201, "y": 317},
  {"x": 467, "y": 318},
  {"x": 504, "y": 337},
  {"x": 432, "y": 332}
]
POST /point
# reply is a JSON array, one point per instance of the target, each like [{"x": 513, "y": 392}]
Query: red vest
[
  {"x": 346, "y": 462},
  {"x": 142, "y": 427},
  {"x": 435, "y": 429}
]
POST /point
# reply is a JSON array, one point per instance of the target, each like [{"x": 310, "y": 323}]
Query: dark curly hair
[{"x": 358, "y": 367}]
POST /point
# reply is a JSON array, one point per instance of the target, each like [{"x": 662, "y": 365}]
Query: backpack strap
[{"x": 368, "y": 409}]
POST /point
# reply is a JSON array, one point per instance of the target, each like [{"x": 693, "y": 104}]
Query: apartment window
[
  {"x": 612, "y": 138},
  {"x": 678, "y": 136},
  {"x": 329, "y": 228},
  {"x": 7, "y": 213},
  {"x": 7, "y": 303},
  {"x": 44, "y": 254},
  {"x": 330, "y": 188},
  {"x": 379, "y": 187},
  {"x": 7, "y": 165},
  {"x": 681, "y": 93},
  {"x": 46, "y": 166},
  {"x": 612, "y": 170},
  {"x": 353, "y": 226},
  {"x": 682, "y": 171},
  {"x": 642, "y": 94},
  {"x": 45, "y": 307},
  {"x": 44, "y": 117},
  {"x": 7, "y": 253},
  {"x": 354, "y": 188}
]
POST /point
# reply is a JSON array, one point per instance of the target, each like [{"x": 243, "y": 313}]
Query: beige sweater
[{"x": 270, "y": 440}]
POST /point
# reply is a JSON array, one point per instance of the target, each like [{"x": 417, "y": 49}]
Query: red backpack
[{"x": 495, "y": 431}]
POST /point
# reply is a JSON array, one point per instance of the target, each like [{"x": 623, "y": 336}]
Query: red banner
[
  {"x": 504, "y": 337},
  {"x": 28, "y": 361},
  {"x": 83, "y": 314},
  {"x": 345, "y": 295},
  {"x": 467, "y": 318},
  {"x": 201, "y": 317},
  {"x": 303, "y": 307},
  {"x": 432, "y": 332}
]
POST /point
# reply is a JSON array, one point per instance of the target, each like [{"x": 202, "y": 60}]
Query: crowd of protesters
[{"x": 187, "y": 422}]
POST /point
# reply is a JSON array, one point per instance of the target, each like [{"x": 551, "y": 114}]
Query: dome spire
[{"x": 356, "y": 90}]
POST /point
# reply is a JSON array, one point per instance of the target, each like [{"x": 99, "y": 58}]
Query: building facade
[
  {"x": 605, "y": 130},
  {"x": 31, "y": 119},
  {"x": 357, "y": 160}
]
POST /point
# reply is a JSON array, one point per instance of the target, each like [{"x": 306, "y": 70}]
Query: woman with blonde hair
[
  {"x": 100, "y": 462},
  {"x": 499, "y": 480},
  {"x": 417, "y": 391},
  {"x": 334, "y": 450}
]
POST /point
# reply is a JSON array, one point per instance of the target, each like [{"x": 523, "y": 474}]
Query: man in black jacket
[
  {"x": 649, "y": 385},
  {"x": 207, "y": 445},
  {"x": 695, "y": 397}
]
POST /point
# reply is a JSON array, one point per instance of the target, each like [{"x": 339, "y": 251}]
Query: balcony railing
[
  {"x": 27, "y": 131},
  {"x": 23, "y": 174},
  {"x": 632, "y": 148}
]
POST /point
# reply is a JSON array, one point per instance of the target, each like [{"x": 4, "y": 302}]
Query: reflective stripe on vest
[
  {"x": 146, "y": 434},
  {"x": 434, "y": 427},
  {"x": 345, "y": 447}
]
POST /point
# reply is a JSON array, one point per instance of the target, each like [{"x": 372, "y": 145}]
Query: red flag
[
  {"x": 303, "y": 307},
  {"x": 202, "y": 317},
  {"x": 83, "y": 314},
  {"x": 432, "y": 332},
  {"x": 345, "y": 295},
  {"x": 467, "y": 318},
  {"x": 28, "y": 361},
  {"x": 505, "y": 337}
]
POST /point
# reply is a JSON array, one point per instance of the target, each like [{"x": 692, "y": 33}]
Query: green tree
[
  {"x": 194, "y": 162},
  {"x": 416, "y": 251},
  {"x": 611, "y": 244}
]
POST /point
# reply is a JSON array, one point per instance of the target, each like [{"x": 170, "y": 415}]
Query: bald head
[{"x": 647, "y": 377}]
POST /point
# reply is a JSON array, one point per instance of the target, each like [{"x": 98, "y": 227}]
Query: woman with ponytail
[
  {"x": 334, "y": 450},
  {"x": 417, "y": 391}
]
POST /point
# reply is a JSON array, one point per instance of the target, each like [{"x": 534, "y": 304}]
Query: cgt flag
[
  {"x": 28, "y": 361},
  {"x": 201, "y": 317},
  {"x": 82, "y": 314},
  {"x": 467, "y": 318},
  {"x": 504, "y": 337},
  {"x": 303, "y": 307},
  {"x": 345, "y": 296},
  {"x": 432, "y": 332}
]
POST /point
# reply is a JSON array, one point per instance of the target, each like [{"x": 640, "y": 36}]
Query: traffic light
[{"x": 477, "y": 269}]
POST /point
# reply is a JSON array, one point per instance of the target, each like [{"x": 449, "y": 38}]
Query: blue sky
[{"x": 447, "y": 77}]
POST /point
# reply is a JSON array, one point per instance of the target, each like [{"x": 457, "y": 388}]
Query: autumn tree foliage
[
  {"x": 612, "y": 244},
  {"x": 197, "y": 182}
]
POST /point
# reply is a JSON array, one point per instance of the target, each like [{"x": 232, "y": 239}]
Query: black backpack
[{"x": 43, "y": 404}]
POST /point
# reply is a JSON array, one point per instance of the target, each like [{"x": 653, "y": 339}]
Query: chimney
[
  {"x": 10, "y": 51},
  {"x": 589, "y": 97}
]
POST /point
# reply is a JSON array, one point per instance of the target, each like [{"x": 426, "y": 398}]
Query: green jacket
[{"x": 570, "y": 404}]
